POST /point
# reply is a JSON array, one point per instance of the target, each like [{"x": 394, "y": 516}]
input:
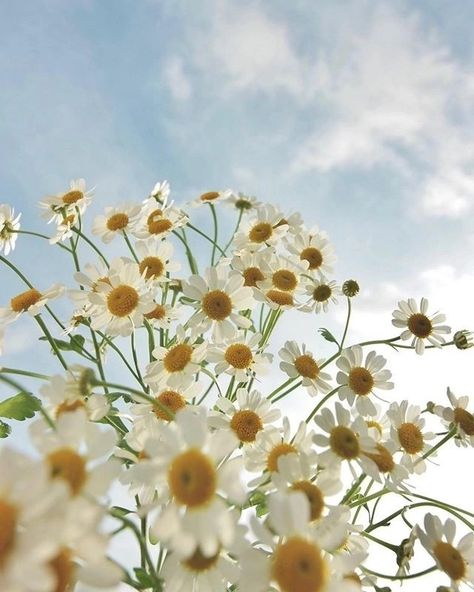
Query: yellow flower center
[
  {"x": 192, "y": 478},
  {"x": 238, "y": 355},
  {"x": 172, "y": 401},
  {"x": 217, "y": 305},
  {"x": 8, "y": 522},
  {"x": 280, "y": 298},
  {"x": 410, "y": 437},
  {"x": 278, "y": 451},
  {"x": 306, "y": 366},
  {"x": 382, "y": 458},
  {"x": 297, "y": 566},
  {"x": 68, "y": 406},
  {"x": 450, "y": 559},
  {"x": 246, "y": 424},
  {"x": 63, "y": 570},
  {"x": 322, "y": 293},
  {"x": 66, "y": 464},
  {"x": 314, "y": 497},
  {"x": 122, "y": 301},
  {"x": 344, "y": 442},
  {"x": 152, "y": 267},
  {"x": 72, "y": 197},
  {"x": 117, "y": 222},
  {"x": 178, "y": 357},
  {"x": 252, "y": 275},
  {"x": 313, "y": 256},
  {"x": 465, "y": 420},
  {"x": 156, "y": 224},
  {"x": 360, "y": 381},
  {"x": 23, "y": 301},
  {"x": 261, "y": 232},
  {"x": 158, "y": 313},
  {"x": 209, "y": 196},
  {"x": 285, "y": 280},
  {"x": 199, "y": 562},
  {"x": 420, "y": 325},
  {"x": 243, "y": 204}
]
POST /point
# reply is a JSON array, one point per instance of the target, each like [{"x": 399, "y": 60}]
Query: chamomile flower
[
  {"x": 408, "y": 432},
  {"x": 358, "y": 379},
  {"x": 456, "y": 561},
  {"x": 313, "y": 247},
  {"x": 9, "y": 226},
  {"x": 379, "y": 424},
  {"x": 240, "y": 356},
  {"x": 242, "y": 202},
  {"x": 176, "y": 366},
  {"x": 154, "y": 260},
  {"x": 64, "y": 229},
  {"x": 211, "y": 197},
  {"x": 163, "y": 315},
  {"x": 31, "y": 301},
  {"x": 89, "y": 278},
  {"x": 418, "y": 326},
  {"x": 57, "y": 207},
  {"x": 253, "y": 267},
  {"x": 160, "y": 192},
  {"x": 250, "y": 415},
  {"x": 219, "y": 300},
  {"x": 320, "y": 293},
  {"x": 458, "y": 415},
  {"x": 286, "y": 275},
  {"x": 168, "y": 399},
  {"x": 120, "y": 304},
  {"x": 158, "y": 220},
  {"x": 200, "y": 475},
  {"x": 115, "y": 221},
  {"x": 260, "y": 232},
  {"x": 383, "y": 468},
  {"x": 298, "y": 362}
]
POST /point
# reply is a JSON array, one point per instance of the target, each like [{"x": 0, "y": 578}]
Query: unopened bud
[
  {"x": 463, "y": 339},
  {"x": 350, "y": 288}
]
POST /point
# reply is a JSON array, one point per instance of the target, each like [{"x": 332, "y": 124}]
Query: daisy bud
[
  {"x": 443, "y": 589},
  {"x": 430, "y": 407},
  {"x": 350, "y": 288},
  {"x": 463, "y": 339}
]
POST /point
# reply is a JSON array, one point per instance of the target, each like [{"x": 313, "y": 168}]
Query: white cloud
[{"x": 176, "y": 79}]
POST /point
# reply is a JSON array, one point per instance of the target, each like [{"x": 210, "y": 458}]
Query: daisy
[
  {"x": 313, "y": 247},
  {"x": 260, "y": 232},
  {"x": 163, "y": 315},
  {"x": 160, "y": 192},
  {"x": 382, "y": 467},
  {"x": 249, "y": 416},
  {"x": 407, "y": 432},
  {"x": 200, "y": 476},
  {"x": 286, "y": 275},
  {"x": 379, "y": 424},
  {"x": 120, "y": 304},
  {"x": 459, "y": 416},
  {"x": 293, "y": 222},
  {"x": 172, "y": 400},
  {"x": 57, "y": 207},
  {"x": 320, "y": 292},
  {"x": 242, "y": 202},
  {"x": 211, "y": 197},
  {"x": 253, "y": 267},
  {"x": 457, "y": 561},
  {"x": 299, "y": 362},
  {"x": 418, "y": 326},
  {"x": 240, "y": 357},
  {"x": 358, "y": 379},
  {"x": 176, "y": 365},
  {"x": 89, "y": 278},
  {"x": 219, "y": 300},
  {"x": 31, "y": 301},
  {"x": 116, "y": 220},
  {"x": 64, "y": 228},
  {"x": 154, "y": 260},
  {"x": 158, "y": 221},
  {"x": 9, "y": 227}
]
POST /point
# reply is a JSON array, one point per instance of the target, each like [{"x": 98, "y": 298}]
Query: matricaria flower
[
  {"x": 160, "y": 192},
  {"x": 159, "y": 220},
  {"x": 9, "y": 226},
  {"x": 298, "y": 362},
  {"x": 418, "y": 325},
  {"x": 320, "y": 292},
  {"x": 458, "y": 415},
  {"x": 58, "y": 207},
  {"x": 240, "y": 356},
  {"x": 31, "y": 301},
  {"x": 313, "y": 247},
  {"x": 262, "y": 231},
  {"x": 211, "y": 197},
  {"x": 243, "y": 203},
  {"x": 154, "y": 260},
  {"x": 358, "y": 379},
  {"x": 115, "y": 221}
]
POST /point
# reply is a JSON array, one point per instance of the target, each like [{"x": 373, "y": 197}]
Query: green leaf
[
  {"x": 5, "y": 429},
  {"x": 328, "y": 336},
  {"x": 20, "y": 406},
  {"x": 119, "y": 511},
  {"x": 75, "y": 343},
  {"x": 145, "y": 580}
]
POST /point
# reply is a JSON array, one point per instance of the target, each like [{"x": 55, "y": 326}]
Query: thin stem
[
  {"x": 216, "y": 228},
  {"x": 51, "y": 340},
  {"x": 192, "y": 262},
  {"x": 130, "y": 248},
  {"x": 31, "y": 233},
  {"x": 407, "y": 577},
  {"x": 287, "y": 392},
  {"x": 347, "y": 324},
  {"x": 235, "y": 230},
  {"x": 24, "y": 373},
  {"x": 139, "y": 394},
  {"x": 281, "y": 387},
  {"x": 91, "y": 245},
  {"x": 189, "y": 225},
  {"x": 321, "y": 403}
]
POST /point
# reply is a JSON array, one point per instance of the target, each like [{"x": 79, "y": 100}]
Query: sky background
[{"x": 358, "y": 114}]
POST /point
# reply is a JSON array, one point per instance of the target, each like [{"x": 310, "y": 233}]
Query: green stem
[
  {"x": 287, "y": 392},
  {"x": 130, "y": 248},
  {"x": 235, "y": 230},
  {"x": 24, "y": 373},
  {"x": 353, "y": 489},
  {"x": 139, "y": 394},
  {"x": 189, "y": 225},
  {"x": 52, "y": 342},
  {"x": 407, "y": 577},
  {"x": 91, "y": 245},
  {"x": 281, "y": 387},
  {"x": 216, "y": 229},
  {"x": 31, "y": 233},
  {"x": 321, "y": 403},
  {"x": 192, "y": 262},
  {"x": 347, "y": 324}
]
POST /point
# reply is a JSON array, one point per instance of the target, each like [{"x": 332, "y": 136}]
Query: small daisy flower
[
  {"x": 219, "y": 300},
  {"x": 64, "y": 228},
  {"x": 199, "y": 474},
  {"x": 211, "y": 197},
  {"x": 31, "y": 301},
  {"x": 163, "y": 315},
  {"x": 358, "y": 379},
  {"x": 243, "y": 203},
  {"x": 120, "y": 304},
  {"x": 382, "y": 467},
  {"x": 418, "y": 325},
  {"x": 172, "y": 400},
  {"x": 457, "y": 561},
  {"x": 320, "y": 293},
  {"x": 458, "y": 415},
  {"x": 160, "y": 192},
  {"x": 9, "y": 226},
  {"x": 406, "y": 552},
  {"x": 313, "y": 247},
  {"x": 89, "y": 278},
  {"x": 154, "y": 260},
  {"x": 286, "y": 275},
  {"x": 250, "y": 415},
  {"x": 115, "y": 221},
  {"x": 260, "y": 232},
  {"x": 293, "y": 222},
  {"x": 158, "y": 220},
  {"x": 299, "y": 362},
  {"x": 59, "y": 206},
  {"x": 176, "y": 365},
  {"x": 253, "y": 267},
  {"x": 240, "y": 357},
  {"x": 379, "y": 424},
  {"x": 407, "y": 432}
]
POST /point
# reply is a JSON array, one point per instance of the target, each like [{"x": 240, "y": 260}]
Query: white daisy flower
[
  {"x": 199, "y": 474},
  {"x": 382, "y": 467},
  {"x": 89, "y": 278},
  {"x": 320, "y": 292},
  {"x": 168, "y": 399},
  {"x": 57, "y": 207},
  {"x": 253, "y": 267},
  {"x": 176, "y": 365},
  {"x": 154, "y": 259},
  {"x": 358, "y": 379},
  {"x": 243, "y": 203},
  {"x": 313, "y": 247},
  {"x": 260, "y": 232},
  {"x": 379, "y": 424},
  {"x": 211, "y": 197},
  {"x": 298, "y": 362},
  {"x": 31, "y": 301},
  {"x": 286, "y": 275},
  {"x": 219, "y": 300},
  {"x": 120, "y": 304},
  {"x": 407, "y": 431},
  {"x": 163, "y": 315},
  {"x": 158, "y": 220},
  {"x": 240, "y": 357},
  {"x": 115, "y": 221},
  {"x": 9, "y": 226},
  {"x": 293, "y": 221},
  {"x": 457, "y": 561},
  {"x": 418, "y": 325},
  {"x": 458, "y": 415},
  {"x": 160, "y": 192},
  {"x": 250, "y": 415},
  {"x": 64, "y": 228}
]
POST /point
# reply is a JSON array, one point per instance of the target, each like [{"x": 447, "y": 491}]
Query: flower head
[{"x": 9, "y": 226}]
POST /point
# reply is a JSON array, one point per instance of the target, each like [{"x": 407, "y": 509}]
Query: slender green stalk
[
  {"x": 91, "y": 245},
  {"x": 281, "y": 387},
  {"x": 321, "y": 403},
  {"x": 141, "y": 395},
  {"x": 235, "y": 231},
  {"x": 192, "y": 262},
  {"x": 130, "y": 247},
  {"x": 216, "y": 229},
  {"x": 51, "y": 340},
  {"x": 347, "y": 324},
  {"x": 189, "y": 225},
  {"x": 407, "y": 577},
  {"x": 287, "y": 392},
  {"x": 23, "y": 373},
  {"x": 44, "y": 236}
]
